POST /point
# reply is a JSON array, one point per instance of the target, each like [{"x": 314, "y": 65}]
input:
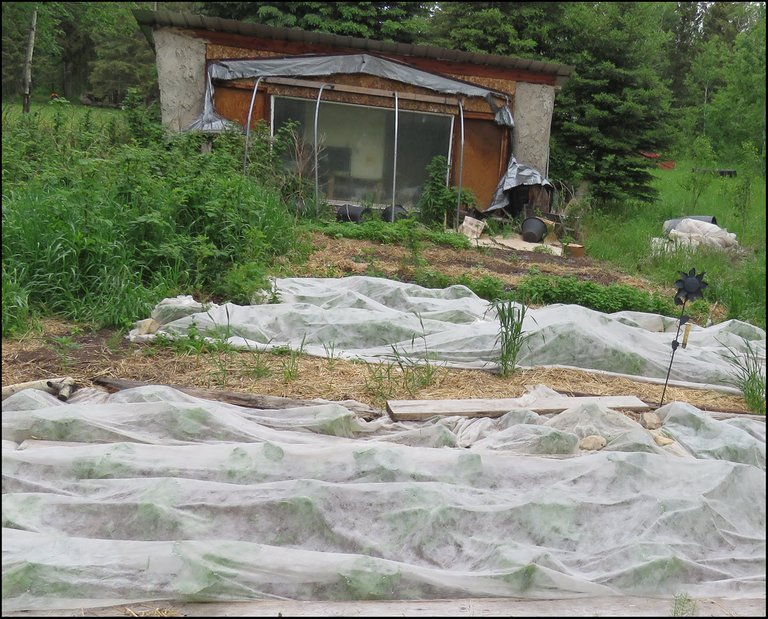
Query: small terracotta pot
[{"x": 573, "y": 250}]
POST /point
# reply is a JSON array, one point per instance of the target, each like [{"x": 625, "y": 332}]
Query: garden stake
[{"x": 691, "y": 286}]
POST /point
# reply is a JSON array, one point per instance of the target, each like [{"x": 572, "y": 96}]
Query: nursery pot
[
  {"x": 351, "y": 212},
  {"x": 574, "y": 250},
  {"x": 533, "y": 230},
  {"x": 400, "y": 213}
]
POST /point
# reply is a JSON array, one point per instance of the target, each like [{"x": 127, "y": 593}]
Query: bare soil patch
[{"x": 59, "y": 348}]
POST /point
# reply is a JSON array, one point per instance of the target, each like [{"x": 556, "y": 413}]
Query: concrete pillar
[
  {"x": 181, "y": 77},
  {"x": 534, "y": 105}
]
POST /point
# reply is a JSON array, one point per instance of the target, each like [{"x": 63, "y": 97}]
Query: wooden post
[{"x": 28, "y": 64}]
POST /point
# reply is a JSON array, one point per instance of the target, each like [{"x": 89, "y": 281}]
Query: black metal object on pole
[{"x": 689, "y": 288}]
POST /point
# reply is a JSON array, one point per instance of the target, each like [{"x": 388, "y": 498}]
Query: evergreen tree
[
  {"x": 385, "y": 21},
  {"x": 615, "y": 104},
  {"x": 123, "y": 63},
  {"x": 524, "y": 29}
]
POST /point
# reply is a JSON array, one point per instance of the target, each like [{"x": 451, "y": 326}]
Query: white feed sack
[{"x": 157, "y": 495}]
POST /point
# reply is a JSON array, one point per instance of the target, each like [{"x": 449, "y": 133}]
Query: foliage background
[{"x": 103, "y": 217}]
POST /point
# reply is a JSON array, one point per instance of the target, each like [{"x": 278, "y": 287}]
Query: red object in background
[
  {"x": 648, "y": 155},
  {"x": 667, "y": 165}
]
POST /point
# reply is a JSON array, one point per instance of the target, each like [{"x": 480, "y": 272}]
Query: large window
[{"x": 357, "y": 148}]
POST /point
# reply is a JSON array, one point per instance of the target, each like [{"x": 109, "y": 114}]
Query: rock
[
  {"x": 662, "y": 440},
  {"x": 146, "y": 326},
  {"x": 650, "y": 421},
  {"x": 593, "y": 442}
]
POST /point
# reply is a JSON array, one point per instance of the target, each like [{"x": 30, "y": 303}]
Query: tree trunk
[{"x": 28, "y": 64}]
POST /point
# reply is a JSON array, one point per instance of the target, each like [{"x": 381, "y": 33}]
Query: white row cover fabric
[
  {"x": 154, "y": 495},
  {"x": 368, "y": 319}
]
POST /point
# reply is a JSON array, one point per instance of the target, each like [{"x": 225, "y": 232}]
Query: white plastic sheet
[
  {"x": 157, "y": 495},
  {"x": 375, "y": 319}
]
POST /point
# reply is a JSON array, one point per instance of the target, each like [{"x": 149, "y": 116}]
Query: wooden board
[
  {"x": 417, "y": 410},
  {"x": 617, "y": 606},
  {"x": 249, "y": 400}
]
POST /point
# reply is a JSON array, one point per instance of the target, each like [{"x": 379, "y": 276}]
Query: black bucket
[
  {"x": 400, "y": 213},
  {"x": 533, "y": 230},
  {"x": 351, "y": 212}
]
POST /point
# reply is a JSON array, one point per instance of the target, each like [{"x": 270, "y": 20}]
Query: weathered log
[
  {"x": 60, "y": 387},
  {"x": 249, "y": 400}
]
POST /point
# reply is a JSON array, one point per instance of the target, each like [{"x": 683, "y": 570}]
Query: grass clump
[
  {"x": 622, "y": 234},
  {"x": 401, "y": 232},
  {"x": 684, "y": 606},
  {"x": 511, "y": 336},
  {"x": 545, "y": 290},
  {"x": 749, "y": 376}
]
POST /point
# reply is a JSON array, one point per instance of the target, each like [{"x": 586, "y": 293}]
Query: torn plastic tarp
[
  {"x": 517, "y": 174},
  {"x": 316, "y": 66},
  {"x": 209, "y": 121}
]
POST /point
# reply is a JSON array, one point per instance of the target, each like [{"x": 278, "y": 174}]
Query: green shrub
[
  {"x": 546, "y": 290},
  {"x": 99, "y": 231}
]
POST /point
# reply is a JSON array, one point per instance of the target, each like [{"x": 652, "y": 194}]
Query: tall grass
[
  {"x": 622, "y": 236},
  {"x": 99, "y": 225}
]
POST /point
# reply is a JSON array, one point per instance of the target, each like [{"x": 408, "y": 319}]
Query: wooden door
[{"x": 485, "y": 157}]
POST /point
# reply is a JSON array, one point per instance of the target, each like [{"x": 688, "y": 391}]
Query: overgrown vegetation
[
  {"x": 104, "y": 215},
  {"x": 102, "y": 219}
]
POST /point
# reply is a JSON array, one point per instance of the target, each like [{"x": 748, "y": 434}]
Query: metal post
[
  {"x": 461, "y": 161},
  {"x": 317, "y": 179},
  {"x": 248, "y": 122},
  {"x": 394, "y": 164}
]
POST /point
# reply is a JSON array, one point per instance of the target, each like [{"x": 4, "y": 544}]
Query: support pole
[
  {"x": 248, "y": 122},
  {"x": 461, "y": 162},
  {"x": 317, "y": 178},
  {"x": 394, "y": 163}
]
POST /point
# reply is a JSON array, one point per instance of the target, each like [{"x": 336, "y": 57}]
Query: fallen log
[
  {"x": 249, "y": 400},
  {"x": 60, "y": 387}
]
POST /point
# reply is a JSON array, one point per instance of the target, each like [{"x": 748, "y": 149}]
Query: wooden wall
[{"x": 486, "y": 144}]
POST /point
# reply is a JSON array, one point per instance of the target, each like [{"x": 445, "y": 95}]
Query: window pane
[{"x": 357, "y": 148}]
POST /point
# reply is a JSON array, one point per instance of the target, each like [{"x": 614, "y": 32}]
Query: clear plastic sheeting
[
  {"x": 377, "y": 320},
  {"x": 517, "y": 174},
  {"x": 154, "y": 495}
]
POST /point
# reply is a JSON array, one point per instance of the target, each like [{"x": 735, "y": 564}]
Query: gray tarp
[
  {"x": 517, "y": 174},
  {"x": 317, "y": 66}
]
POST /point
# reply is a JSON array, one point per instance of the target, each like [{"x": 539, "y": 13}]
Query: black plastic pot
[
  {"x": 400, "y": 213},
  {"x": 351, "y": 212},
  {"x": 533, "y": 230}
]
